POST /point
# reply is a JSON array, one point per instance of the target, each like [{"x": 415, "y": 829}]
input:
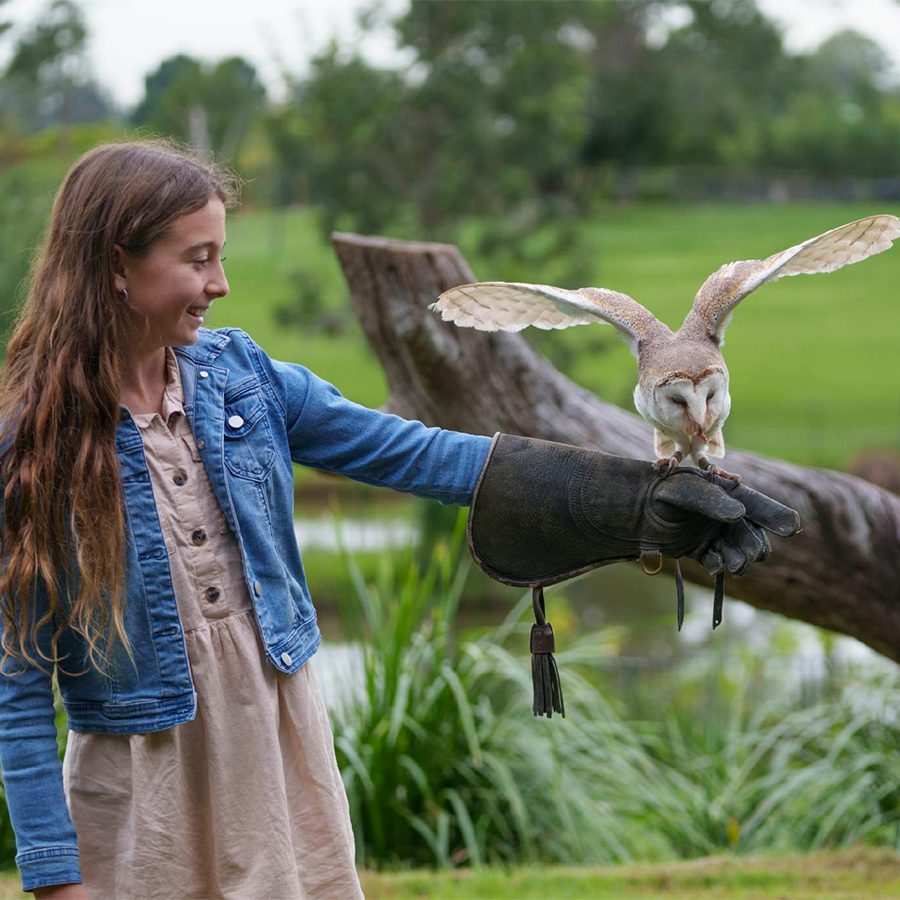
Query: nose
[{"x": 218, "y": 286}]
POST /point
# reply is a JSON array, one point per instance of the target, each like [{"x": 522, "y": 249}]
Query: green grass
[
  {"x": 814, "y": 360},
  {"x": 845, "y": 874},
  {"x": 841, "y": 874}
]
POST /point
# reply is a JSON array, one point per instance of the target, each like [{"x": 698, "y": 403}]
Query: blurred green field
[{"x": 814, "y": 360}]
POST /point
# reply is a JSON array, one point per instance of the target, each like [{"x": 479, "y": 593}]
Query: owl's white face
[{"x": 689, "y": 413}]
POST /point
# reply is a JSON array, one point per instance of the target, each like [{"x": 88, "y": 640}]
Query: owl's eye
[
  {"x": 710, "y": 395},
  {"x": 678, "y": 401}
]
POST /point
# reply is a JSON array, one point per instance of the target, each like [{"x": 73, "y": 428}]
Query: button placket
[{"x": 202, "y": 563}]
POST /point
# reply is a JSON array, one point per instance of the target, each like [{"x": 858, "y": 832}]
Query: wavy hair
[{"x": 60, "y": 394}]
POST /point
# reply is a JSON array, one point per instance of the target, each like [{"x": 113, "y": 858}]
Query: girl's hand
[{"x": 62, "y": 892}]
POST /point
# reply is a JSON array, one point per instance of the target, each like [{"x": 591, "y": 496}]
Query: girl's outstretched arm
[{"x": 329, "y": 432}]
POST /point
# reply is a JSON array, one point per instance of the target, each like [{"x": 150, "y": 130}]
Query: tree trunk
[{"x": 842, "y": 572}]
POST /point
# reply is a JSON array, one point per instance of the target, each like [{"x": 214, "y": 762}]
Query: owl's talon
[
  {"x": 712, "y": 471},
  {"x": 665, "y": 465}
]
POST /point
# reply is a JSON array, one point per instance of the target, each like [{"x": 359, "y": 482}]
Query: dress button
[
  {"x": 212, "y": 594},
  {"x": 257, "y": 588},
  {"x": 179, "y": 478},
  {"x": 204, "y": 374},
  {"x": 198, "y": 537},
  {"x": 201, "y": 444},
  {"x": 235, "y": 421},
  {"x": 286, "y": 658}
]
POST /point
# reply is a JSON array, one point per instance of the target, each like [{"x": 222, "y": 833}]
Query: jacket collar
[
  {"x": 206, "y": 348},
  {"x": 204, "y": 351}
]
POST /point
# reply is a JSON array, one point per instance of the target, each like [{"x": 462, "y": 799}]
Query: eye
[
  {"x": 710, "y": 395},
  {"x": 678, "y": 401},
  {"x": 203, "y": 262}
]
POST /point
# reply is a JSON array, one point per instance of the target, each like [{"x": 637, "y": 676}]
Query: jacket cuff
[{"x": 52, "y": 865}]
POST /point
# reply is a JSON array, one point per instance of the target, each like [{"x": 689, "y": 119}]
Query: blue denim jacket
[{"x": 251, "y": 416}]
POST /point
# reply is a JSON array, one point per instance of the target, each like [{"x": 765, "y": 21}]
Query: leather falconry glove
[{"x": 543, "y": 512}]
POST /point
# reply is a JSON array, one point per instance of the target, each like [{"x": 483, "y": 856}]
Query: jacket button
[
  {"x": 204, "y": 374},
  {"x": 179, "y": 478},
  {"x": 286, "y": 658},
  {"x": 201, "y": 444},
  {"x": 235, "y": 421},
  {"x": 198, "y": 537},
  {"x": 257, "y": 588},
  {"x": 212, "y": 594}
]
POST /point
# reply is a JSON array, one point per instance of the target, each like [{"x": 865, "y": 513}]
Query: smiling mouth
[{"x": 197, "y": 312}]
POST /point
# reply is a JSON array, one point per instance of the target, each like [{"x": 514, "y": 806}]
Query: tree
[
  {"x": 209, "y": 106},
  {"x": 725, "y": 74},
  {"x": 341, "y": 135},
  {"x": 838, "y": 119},
  {"x": 4, "y": 26},
  {"x": 48, "y": 80}
]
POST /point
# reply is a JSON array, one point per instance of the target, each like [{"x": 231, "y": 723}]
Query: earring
[{"x": 125, "y": 292}]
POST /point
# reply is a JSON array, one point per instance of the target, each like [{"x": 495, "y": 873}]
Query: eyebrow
[{"x": 203, "y": 245}]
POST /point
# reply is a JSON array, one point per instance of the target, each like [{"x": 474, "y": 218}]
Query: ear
[{"x": 120, "y": 267}]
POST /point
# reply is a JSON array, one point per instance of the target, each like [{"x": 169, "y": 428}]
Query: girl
[
  {"x": 150, "y": 559},
  {"x": 151, "y": 466}
]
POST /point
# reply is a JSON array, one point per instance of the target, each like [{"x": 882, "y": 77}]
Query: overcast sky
[{"x": 129, "y": 38}]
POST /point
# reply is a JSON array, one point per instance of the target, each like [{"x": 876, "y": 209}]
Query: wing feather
[
  {"x": 512, "y": 306},
  {"x": 849, "y": 243}
]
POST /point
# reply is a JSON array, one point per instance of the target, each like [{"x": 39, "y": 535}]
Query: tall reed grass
[{"x": 444, "y": 764}]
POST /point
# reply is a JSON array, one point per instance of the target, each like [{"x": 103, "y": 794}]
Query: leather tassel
[
  {"x": 548, "y": 696},
  {"x": 718, "y": 600},
  {"x": 679, "y": 590}
]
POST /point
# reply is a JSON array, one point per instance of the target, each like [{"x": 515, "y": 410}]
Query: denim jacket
[{"x": 252, "y": 416}]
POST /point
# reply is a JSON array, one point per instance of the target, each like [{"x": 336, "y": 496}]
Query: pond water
[{"x": 328, "y": 532}]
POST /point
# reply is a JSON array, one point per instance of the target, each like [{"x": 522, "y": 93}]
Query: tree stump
[{"x": 842, "y": 572}]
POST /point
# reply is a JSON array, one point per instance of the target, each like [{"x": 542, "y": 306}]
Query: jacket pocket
[{"x": 249, "y": 448}]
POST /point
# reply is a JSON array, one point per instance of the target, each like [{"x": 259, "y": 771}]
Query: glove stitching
[{"x": 578, "y": 507}]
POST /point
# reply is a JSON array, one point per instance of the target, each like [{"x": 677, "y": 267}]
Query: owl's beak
[
  {"x": 697, "y": 429},
  {"x": 698, "y": 414}
]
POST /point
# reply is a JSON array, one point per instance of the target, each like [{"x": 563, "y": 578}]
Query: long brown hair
[{"x": 60, "y": 392}]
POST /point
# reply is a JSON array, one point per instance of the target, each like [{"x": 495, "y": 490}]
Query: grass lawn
[
  {"x": 814, "y": 360},
  {"x": 842, "y": 874}
]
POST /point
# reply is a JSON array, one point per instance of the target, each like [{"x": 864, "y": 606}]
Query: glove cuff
[{"x": 521, "y": 530}]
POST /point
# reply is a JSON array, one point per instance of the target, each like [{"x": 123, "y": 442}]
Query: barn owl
[{"x": 682, "y": 388}]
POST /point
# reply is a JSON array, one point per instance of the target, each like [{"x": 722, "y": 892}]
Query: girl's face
[{"x": 170, "y": 289}]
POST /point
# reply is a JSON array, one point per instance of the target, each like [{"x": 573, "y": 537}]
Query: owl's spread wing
[
  {"x": 850, "y": 243},
  {"x": 511, "y": 306}
]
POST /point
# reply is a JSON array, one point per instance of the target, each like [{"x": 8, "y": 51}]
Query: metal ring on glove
[{"x": 653, "y": 556}]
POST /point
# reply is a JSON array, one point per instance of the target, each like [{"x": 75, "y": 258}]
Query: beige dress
[{"x": 246, "y": 800}]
